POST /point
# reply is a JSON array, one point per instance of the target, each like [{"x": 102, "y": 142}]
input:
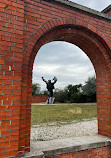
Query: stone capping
[
  {"x": 76, "y": 148},
  {"x": 106, "y": 10},
  {"x": 68, "y": 145},
  {"x": 84, "y": 9}
]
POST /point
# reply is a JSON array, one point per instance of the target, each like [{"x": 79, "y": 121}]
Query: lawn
[{"x": 62, "y": 112}]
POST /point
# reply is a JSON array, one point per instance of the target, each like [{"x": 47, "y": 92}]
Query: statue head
[{"x": 49, "y": 81}]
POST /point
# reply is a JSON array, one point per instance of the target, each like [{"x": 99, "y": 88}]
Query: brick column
[{"x": 11, "y": 41}]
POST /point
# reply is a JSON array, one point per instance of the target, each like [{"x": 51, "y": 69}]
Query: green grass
[{"x": 61, "y": 112}]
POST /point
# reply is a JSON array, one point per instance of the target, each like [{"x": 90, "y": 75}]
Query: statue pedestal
[{"x": 50, "y": 100}]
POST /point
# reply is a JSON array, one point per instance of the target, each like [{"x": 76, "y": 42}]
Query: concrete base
[
  {"x": 50, "y": 100},
  {"x": 40, "y": 149}
]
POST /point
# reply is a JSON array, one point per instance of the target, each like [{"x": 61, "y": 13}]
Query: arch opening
[{"x": 67, "y": 57}]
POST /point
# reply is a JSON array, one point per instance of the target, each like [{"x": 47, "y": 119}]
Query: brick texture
[
  {"x": 39, "y": 99},
  {"x": 103, "y": 152},
  {"x": 24, "y": 27}
]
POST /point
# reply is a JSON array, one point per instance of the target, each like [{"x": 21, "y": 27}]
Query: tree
[
  {"x": 61, "y": 96},
  {"x": 45, "y": 93},
  {"x": 73, "y": 89},
  {"x": 89, "y": 89},
  {"x": 35, "y": 88},
  {"x": 78, "y": 98}
]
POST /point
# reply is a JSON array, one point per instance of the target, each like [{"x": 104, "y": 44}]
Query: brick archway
[
  {"x": 26, "y": 27},
  {"x": 91, "y": 41}
]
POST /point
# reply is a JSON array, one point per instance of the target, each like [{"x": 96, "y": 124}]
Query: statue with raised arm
[{"x": 50, "y": 86}]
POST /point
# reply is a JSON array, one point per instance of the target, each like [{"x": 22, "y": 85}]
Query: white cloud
[
  {"x": 67, "y": 62},
  {"x": 98, "y": 5}
]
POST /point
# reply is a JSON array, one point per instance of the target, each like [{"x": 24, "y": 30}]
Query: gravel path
[{"x": 63, "y": 130}]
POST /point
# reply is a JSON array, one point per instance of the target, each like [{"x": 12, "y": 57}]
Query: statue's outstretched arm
[
  {"x": 55, "y": 80},
  {"x": 44, "y": 80}
]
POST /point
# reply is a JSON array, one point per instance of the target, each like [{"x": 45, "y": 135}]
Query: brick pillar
[
  {"x": 11, "y": 41},
  {"x": 25, "y": 111}
]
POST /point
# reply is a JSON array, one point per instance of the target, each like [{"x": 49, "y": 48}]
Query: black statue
[{"x": 50, "y": 86}]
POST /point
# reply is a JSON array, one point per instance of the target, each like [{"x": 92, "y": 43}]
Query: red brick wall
[
  {"x": 24, "y": 27},
  {"x": 11, "y": 56},
  {"x": 39, "y": 99},
  {"x": 103, "y": 152}
]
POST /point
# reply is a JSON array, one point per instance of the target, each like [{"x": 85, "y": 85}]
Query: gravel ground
[{"x": 50, "y": 131}]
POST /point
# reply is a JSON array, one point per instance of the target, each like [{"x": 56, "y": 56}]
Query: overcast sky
[{"x": 64, "y": 60}]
